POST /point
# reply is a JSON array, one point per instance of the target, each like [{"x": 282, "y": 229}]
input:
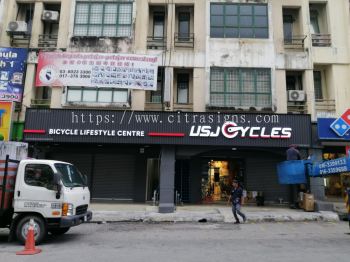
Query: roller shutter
[
  {"x": 114, "y": 176},
  {"x": 262, "y": 176}
]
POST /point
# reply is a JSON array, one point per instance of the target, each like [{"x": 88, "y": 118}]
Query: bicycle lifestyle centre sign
[{"x": 172, "y": 128}]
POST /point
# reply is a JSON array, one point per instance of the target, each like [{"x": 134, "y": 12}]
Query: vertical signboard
[
  {"x": 6, "y": 109},
  {"x": 12, "y": 69}
]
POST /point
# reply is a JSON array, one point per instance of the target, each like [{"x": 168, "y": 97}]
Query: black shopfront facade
[{"x": 127, "y": 155}]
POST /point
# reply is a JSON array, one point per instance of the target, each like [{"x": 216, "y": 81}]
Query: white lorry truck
[{"x": 52, "y": 193}]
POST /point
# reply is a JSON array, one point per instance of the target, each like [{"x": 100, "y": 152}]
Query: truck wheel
[
  {"x": 59, "y": 231},
  {"x": 40, "y": 230}
]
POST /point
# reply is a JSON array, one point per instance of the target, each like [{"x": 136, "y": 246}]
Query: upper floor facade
[{"x": 284, "y": 56}]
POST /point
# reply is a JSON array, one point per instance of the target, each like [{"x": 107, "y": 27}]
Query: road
[{"x": 282, "y": 242}]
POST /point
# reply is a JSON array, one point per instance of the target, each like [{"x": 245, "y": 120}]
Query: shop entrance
[
  {"x": 217, "y": 177},
  {"x": 335, "y": 185}
]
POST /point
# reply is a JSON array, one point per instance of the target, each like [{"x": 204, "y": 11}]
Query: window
[
  {"x": 158, "y": 25},
  {"x": 39, "y": 175},
  {"x": 288, "y": 28},
  {"x": 184, "y": 26},
  {"x": 182, "y": 88},
  {"x": 315, "y": 29},
  {"x": 111, "y": 19},
  {"x": 96, "y": 95},
  {"x": 71, "y": 177},
  {"x": 157, "y": 96},
  {"x": 238, "y": 21},
  {"x": 232, "y": 87},
  {"x": 318, "y": 84}
]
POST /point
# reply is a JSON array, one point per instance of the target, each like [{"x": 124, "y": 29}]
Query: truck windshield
[{"x": 71, "y": 177}]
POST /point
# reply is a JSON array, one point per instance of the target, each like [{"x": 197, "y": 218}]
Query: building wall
[{"x": 209, "y": 52}]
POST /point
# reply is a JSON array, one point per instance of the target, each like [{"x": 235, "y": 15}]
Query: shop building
[
  {"x": 129, "y": 154},
  {"x": 334, "y": 143},
  {"x": 266, "y": 57}
]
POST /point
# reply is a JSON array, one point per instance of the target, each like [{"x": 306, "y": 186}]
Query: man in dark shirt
[
  {"x": 236, "y": 200},
  {"x": 293, "y": 153}
]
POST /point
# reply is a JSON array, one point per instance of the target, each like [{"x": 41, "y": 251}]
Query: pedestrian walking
[{"x": 236, "y": 200}]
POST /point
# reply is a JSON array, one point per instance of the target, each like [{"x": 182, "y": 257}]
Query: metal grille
[
  {"x": 81, "y": 209},
  {"x": 234, "y": 87},
  {"x": 103, "y": 19}
]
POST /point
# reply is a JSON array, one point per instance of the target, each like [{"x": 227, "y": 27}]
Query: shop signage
[
  {"x": 182, "y": 128},
  {"x": 97, "y": 70},
  {"x": 6, "y": 109},
  {"x": 335, "y": 128},
  {"x": 12, "y": 70},
  {"x": 335, "y": 166}
]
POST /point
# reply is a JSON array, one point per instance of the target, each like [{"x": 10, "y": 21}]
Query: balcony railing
[
  {"x": 20, "y": 41},
  {"x": 48, "y": 41},
  {"x": 325, "y": 105},
  {"x": 321, "y": 40},
  {"x": 295, "y": 42},
  {"x": 40, "y": 103},
  {"x": 297, "y": 108},
  {"x": 184, "y": 40},
  {"x": 154, "y": 42}
]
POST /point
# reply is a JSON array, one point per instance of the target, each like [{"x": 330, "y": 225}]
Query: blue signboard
[
  {"x": 335, "y": 166},
  {"x": 292, "y": 172},
  {"x": 327, "y": 127},
  {"x": 12, "y": 69}
]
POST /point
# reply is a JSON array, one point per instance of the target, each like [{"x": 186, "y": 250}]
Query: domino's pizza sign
[{"x": 335, "y": 129}]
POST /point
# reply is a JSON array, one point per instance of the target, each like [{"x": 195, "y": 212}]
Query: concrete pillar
[
  {"x": 56, "y": 97},
  {"x": 199, "y": 89},
  {"x": 170, "y": 26},
  {"x": 138, "y": 98},
  {"x": 168, "y": 85},
  {"x": 37, "y": 26},
  {"x": 316, "y": 183},
  {"x": 308, "y": 84},
  {"x": 29, "y": 89},
  {"x": 280, "y": 94},
  {"x": 141, "y": 21},
  {"x": 167, "y": 180},
  {"x": 64, "y": 24}
]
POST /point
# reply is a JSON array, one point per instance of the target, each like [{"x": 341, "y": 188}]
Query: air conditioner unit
[
  {"x": 50, "y": 16},
  {"x": 296, "y": 96},
  {"x": 17, "y": 27}
]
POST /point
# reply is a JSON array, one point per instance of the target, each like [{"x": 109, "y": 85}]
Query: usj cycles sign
[{"x": 185, "y": 128}]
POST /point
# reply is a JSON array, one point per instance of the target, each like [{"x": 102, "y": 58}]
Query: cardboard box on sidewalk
[{"x": 309, "y": 202}]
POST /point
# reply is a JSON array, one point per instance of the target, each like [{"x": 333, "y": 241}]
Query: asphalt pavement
[{"x": 302, "y": 241}]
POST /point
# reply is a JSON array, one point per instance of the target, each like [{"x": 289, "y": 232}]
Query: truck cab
[{"x": 52, "y": 193}]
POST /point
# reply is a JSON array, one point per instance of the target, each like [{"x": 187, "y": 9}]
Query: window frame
[
  {"x": 103, "y": 24},
  {"x": 159, "y": 92},
  {"x": 98, "y": 90},
  {"x": 184, "y": 36},
  {"x": 48, "y": 187},
  {"x": 320, "y": 78},
  {"x": 239, "y": 26},
  {"x": 184, "y": 78},
  {"x": 158, "y": 15},
  {"x": 241, "y": 92}
]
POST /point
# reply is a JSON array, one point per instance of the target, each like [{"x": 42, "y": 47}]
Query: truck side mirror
[{"x": 57, "y": 183}]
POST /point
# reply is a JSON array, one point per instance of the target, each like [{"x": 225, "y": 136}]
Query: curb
[{"x": 217, "y": 216}]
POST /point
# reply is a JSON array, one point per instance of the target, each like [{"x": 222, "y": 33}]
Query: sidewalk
[{"x": 209, "y": 213}]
